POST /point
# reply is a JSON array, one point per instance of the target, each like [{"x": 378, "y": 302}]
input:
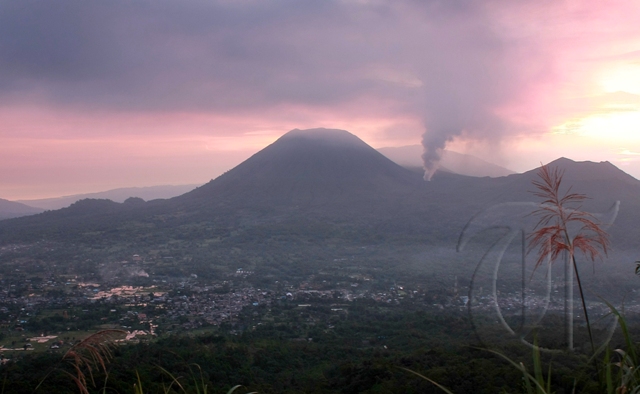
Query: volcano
[{"x": 311, "y": 169}]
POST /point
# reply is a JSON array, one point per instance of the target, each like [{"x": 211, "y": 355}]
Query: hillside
[
  {"x": 12, "y": 209},
  {"x": 116, "y": 195}
]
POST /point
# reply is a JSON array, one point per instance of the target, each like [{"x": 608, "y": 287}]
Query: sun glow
[
  {"x": 620, "y": 127},
  {"x": 613, "y": 136},
  {"x": 612, "y": 115},
  {"x": 621, "y": 78}
]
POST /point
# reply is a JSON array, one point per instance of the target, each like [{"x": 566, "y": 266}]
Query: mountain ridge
[
  {"x": 13, "y": 209},
  {"x": 117, "y": 195},
  {"x": 330, "y": 179}
]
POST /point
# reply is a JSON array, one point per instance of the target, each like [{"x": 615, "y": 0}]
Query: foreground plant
[
  {"x": 622, "y": 368},
  {"x": 564, "y": 229},
  {"x": 199, "y": 386},
  {"x": 532, "y": 383},
  {"x": 92, "y": 353},
  {"x": 536, "y": 383}
]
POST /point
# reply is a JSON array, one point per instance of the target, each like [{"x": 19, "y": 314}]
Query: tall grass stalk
[
  {"x": 625, "y": 361},
  {"x": 137, "y": 387},
  {"x": 92, "y": 353},
  {"x": 552, "y": 237},
  {"x": 200, "y": 384},
  {"x": 438, "y": 385},
  {"x": 533, "y": 383}
]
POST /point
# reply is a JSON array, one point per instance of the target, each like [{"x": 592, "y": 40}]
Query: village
[
  {"x": 54, "y": 311},
  {"x": 49, "y": 312}
]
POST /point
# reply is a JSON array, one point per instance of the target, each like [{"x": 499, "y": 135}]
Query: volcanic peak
[{"x": 324, "y": 136}]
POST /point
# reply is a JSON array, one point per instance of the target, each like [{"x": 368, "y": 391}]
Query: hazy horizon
[{"x": 99, "y": 191}]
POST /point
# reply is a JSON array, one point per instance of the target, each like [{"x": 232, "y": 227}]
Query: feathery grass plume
[
  {"x": 93, "y": 352},
  {"x": 552, "y": 237}
]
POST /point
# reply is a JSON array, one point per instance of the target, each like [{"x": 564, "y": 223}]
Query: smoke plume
[{"x": 475, "y": 72}]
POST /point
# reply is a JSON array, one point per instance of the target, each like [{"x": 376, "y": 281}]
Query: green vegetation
[{"x": 362, "y": 352}]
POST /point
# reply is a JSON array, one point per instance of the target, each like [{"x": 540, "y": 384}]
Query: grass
[
  {"x": 621, "y": 366},
  {"x": 94, "y": 354},
  {"x": 200, "y": 385},
  {"x": 619, "y": 371},
  {"x": 83, "y": 358}
]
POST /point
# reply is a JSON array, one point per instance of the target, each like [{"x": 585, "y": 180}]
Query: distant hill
[
  {"x": 116, "y": 195},
  {"x": 459, "y": 163},
  {"x": 12, "y": 209}
]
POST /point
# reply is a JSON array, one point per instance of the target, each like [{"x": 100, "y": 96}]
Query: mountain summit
[
  {"x": 591, "y": 171},
  {"x": 305, "y": 168}
]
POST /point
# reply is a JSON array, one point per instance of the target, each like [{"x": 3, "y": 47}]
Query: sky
[{"x": 100, "y": 95}]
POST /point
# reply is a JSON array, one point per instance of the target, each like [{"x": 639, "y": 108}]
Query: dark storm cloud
[
  {"x": 183, "y": 54},
  {"x": 440, "y": 60}
]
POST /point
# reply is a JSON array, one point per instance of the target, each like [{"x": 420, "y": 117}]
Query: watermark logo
[{"x": 508, "y": 295}]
